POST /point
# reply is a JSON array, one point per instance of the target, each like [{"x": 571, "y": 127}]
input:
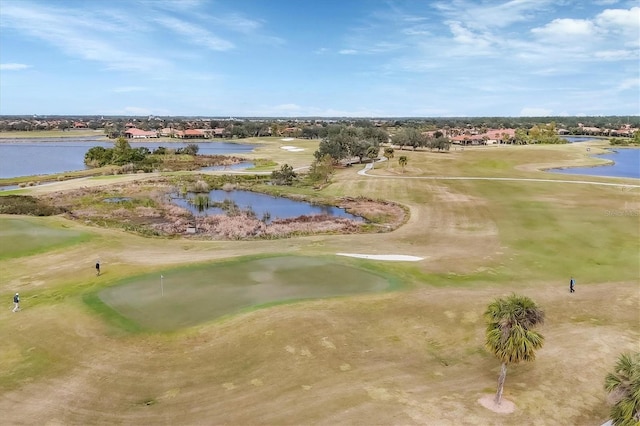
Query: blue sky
[{"x": 291, "y": 58}]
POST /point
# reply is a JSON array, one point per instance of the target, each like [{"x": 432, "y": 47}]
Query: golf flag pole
[{"x": 161, "y": 284}]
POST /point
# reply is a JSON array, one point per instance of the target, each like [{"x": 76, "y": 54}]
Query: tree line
[{"x": 142, "y": 158}]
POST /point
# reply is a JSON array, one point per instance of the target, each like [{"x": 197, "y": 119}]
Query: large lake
[
  {"x": 626, "y": 163},
  {"x": 20, "y": 157}
]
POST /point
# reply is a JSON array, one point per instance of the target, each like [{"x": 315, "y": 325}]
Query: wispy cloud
[
  {"x": 491, "y": 15},
  {"x": 14, "y": 67},
  {"x": 77, "y": 34},
  {"x": 195, "y": 34}
]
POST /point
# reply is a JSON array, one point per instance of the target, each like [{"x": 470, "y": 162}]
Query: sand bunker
[
  {"x": 291, "y": 148},
  {"x": 286, "y": 139},
  {"x": 392, "y": 257}
]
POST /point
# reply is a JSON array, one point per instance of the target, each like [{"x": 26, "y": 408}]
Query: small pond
[
  {"x": 266, "y": 207},
  {"x": 238, "y": 166},
  {"x": 626, "y": 163}
]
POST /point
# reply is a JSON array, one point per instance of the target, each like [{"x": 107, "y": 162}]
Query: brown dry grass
[
  {"x": 411, "y": 357},
  {"x": 402, "y": 358}
]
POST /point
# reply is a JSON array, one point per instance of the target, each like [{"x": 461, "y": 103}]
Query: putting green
[
  {"x": 190, "y": 296},
  {"x": 23, "y": 236}
]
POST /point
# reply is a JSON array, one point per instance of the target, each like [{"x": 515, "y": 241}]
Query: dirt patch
[{"x": 145, "y": 207}]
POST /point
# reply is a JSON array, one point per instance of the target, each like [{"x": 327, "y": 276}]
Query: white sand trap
[
  {"x": 287, "y": 139},
  {"x": 393, "y": 257},
  {"x": 291, "y": 148}
]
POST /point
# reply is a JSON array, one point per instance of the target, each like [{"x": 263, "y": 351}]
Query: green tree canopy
[
  {"x": 510, "y": 335},
  {"x": 623, "y": 386}
]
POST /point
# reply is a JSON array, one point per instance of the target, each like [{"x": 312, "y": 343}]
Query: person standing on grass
[
  {"x": 98, "y": 268},
  {"x": 16, "y": 302},
  {"x": 572, "y": 284}
]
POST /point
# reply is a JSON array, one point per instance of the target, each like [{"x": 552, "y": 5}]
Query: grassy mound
[{"x": 193, "y": 295}]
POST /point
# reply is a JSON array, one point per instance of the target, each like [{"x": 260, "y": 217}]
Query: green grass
[
  {"x": 192, "y": 295},
  {"x": 554, "y": 231},
  {"x": 24, "y": 236}
]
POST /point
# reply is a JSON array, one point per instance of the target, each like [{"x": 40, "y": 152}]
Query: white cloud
[
  {"x": 195, "y": 34},
  {"x": 237, "y": 23},
  {"x": 616, "y": 55},
  {"x": 627, "y": 19},
  {"x": 565, "y": 28},
  {"x": 77, "y": 34},
  {"x": 14, "y": 67},
  {"x": 348, "y": 52},
  {"x": 465, "y": 36},
  {"x": 482, "y": 16}
]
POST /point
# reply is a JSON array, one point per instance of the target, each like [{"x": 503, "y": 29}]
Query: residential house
[{"x": 134, "y": 133}]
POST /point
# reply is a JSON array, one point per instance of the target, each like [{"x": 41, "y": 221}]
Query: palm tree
[
  {"x": 402, "y": 160},
  {"x": 388, "y": 152},
  {"x": 509, "y": 332},
  {"x": 372, "y": 154},
  {"x": 623, "y": 386}
]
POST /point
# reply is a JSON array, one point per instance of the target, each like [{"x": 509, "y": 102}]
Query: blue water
[
  {"x": 263, "y": 204},
  {"x": 20, "y": 157},
  {"x": 573, "y": 139},
  {"x": 626, "y": 164}
]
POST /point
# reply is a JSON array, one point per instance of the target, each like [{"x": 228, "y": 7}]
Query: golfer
[
  {"x": 16, "y": 302},
  {"x": 97, "y": 268},
  {"x": 572, "y": 284}
]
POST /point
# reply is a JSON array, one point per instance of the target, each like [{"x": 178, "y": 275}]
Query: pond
[
  {"x": 626, "y": 163},
  {"x": 574, "y": 139},
  {"x": 44, "y": 156},
  {"x": 265, "y": 207}
]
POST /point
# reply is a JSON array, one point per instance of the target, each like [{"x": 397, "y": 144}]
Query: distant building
[{"x": 133, "y": 133}]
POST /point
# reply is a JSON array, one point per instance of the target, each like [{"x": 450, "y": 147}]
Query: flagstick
[{"x": 161, "y": 285}]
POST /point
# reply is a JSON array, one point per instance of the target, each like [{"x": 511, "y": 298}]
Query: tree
[
  {"x": 191, "y": 149},
  {"x": 509, "y": 333},
  {"x": 388, "y": 152},
  {"x": 403, "y": 160},
  {"x": 623, "y": 386},
  {"x": 372, "y": 154},
  {"x": 284, "y": 176},
  {"x": 321, "y": 169}
]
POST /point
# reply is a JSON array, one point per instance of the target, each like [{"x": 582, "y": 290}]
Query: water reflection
[
  {"x": 265, "y": 207},
  {"x": 45, "y": 156},
  {"x": 626, "y": 163}
]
